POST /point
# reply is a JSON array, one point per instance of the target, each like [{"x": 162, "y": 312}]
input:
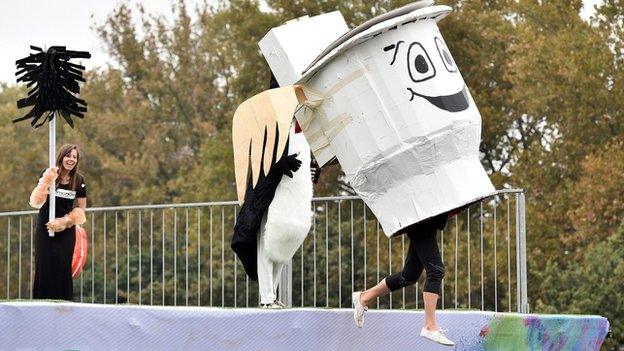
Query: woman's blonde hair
[{"x": 73, "y": 174}]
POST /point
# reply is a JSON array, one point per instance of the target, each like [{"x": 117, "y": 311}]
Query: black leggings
[{"x": 423, "y": 253}]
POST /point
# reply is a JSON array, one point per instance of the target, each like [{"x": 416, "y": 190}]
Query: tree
[
  {"x": 24, "y": 149},
  {"x": 598, "y": 206}
]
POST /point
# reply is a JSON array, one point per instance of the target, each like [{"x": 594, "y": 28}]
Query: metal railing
[{"x": 178, "y": 254}]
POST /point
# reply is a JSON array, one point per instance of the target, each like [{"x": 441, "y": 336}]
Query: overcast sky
[
  {"x": 58, "y": 22},
  {"x": 69, "y": 22}
]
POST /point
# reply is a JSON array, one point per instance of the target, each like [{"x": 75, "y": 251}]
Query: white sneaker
[
  {"x": 273, "y": 305},
  {"x": 358, "y": 314},
  {"x": 437, "y": 336},
  {"x": 279, "y": 303}
]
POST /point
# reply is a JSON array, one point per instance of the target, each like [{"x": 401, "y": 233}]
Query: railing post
[
  {"x": 521, "y": 264},
  {"x": 285, "y": 287}
]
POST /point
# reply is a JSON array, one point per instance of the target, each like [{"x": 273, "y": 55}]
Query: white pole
[{"x": 52, "y": 163}]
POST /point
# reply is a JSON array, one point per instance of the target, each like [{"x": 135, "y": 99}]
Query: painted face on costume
[
  {"x": 70, "y": 160},
  {"x": 428, "y": 60}
]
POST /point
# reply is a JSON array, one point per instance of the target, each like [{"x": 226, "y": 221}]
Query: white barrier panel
[{"x": 74, "y": 326}]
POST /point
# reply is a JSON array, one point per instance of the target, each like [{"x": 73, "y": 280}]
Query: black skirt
[{"x": 53, "y": 258}]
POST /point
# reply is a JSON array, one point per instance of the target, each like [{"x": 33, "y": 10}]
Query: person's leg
[
  {"x": 423, "y": 252},
  {"x": 431, "y": 302},
  {"x": 265, "y": 271},
  {"x": 277, "y": 274},
  {"x": 277, "y": 280},
  {"x": 265, "y": 278},
  {"x": 369, "y": 296},
  {"x": 426, "y": 247},
  {"x": 408, "y": 276}
]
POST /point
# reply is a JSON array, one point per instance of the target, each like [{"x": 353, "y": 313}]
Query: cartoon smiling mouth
[{"x": 452, "y": 103}]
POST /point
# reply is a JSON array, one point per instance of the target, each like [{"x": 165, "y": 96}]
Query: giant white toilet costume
[{"x": 387, "y": 101}]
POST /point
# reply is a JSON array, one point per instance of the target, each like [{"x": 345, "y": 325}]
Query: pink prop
[{"x": 80, "y": 251}]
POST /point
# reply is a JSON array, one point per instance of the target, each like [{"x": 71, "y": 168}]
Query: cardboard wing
[
  {"x": 388, "y": 101},
  {"x": 263, "y": 117}
]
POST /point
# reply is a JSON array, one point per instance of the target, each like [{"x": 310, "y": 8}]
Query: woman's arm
[{"x": 82, "y": 203}]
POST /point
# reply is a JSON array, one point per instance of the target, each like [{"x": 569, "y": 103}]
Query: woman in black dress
[{"x": 53, "y": 254}]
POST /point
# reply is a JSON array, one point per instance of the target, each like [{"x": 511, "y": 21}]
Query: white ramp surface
[{"x": 75, "y": 326}]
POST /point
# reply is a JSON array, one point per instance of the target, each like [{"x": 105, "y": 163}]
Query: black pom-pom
[{"x": 53, "y": 83}]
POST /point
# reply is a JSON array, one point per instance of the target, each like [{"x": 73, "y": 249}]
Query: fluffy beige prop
[
  {"x": 40, "y": 193},
  {"x": 76, "y": 216}
]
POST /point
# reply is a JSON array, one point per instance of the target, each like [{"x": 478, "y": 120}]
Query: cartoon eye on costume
[
  {"x": 419, "y": 63},
  {"x": 445, "y": 55}
]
